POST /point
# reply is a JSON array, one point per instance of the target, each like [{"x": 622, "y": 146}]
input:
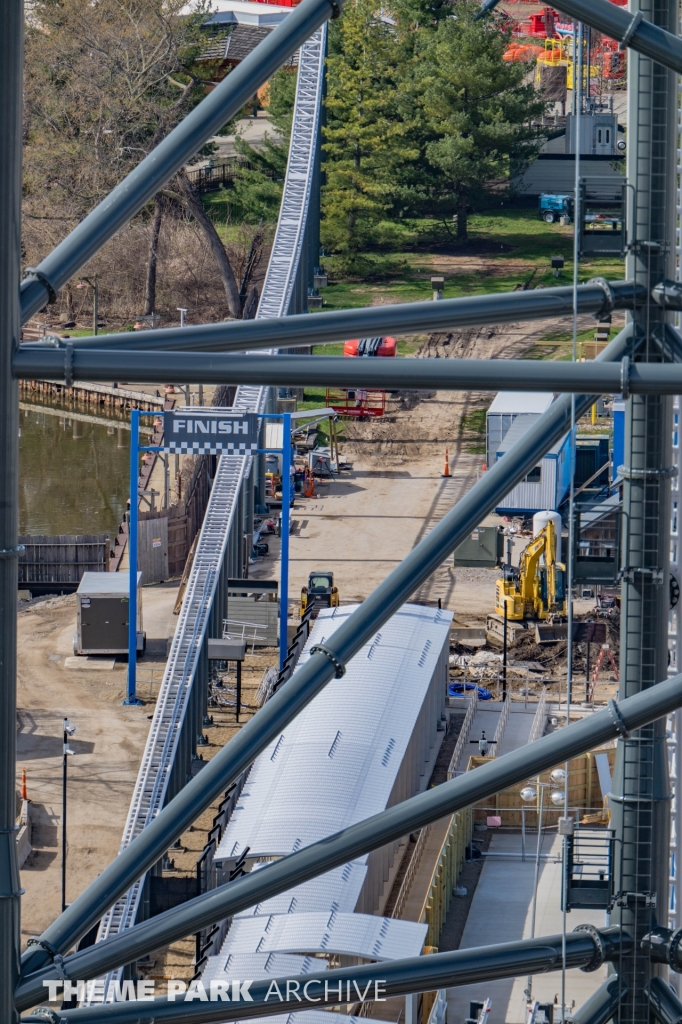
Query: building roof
[
  {"x": 105, "y": 584},
  {"x": 244, "y": 12},
  {"x": 521, "y": 402},
  {"x": 337, "y": 890},
  {"x": 337, "y": 762},
  {"x": 519, "y": 428},
  {"x": 257, "y": 966},
  {"x": 363, "y": 935}
]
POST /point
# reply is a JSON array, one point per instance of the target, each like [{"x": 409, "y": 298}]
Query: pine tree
[
  {"x": 476, "y": 107},
  {"x": 257, "y": 191},
  {"x": 365, "y": 136}
]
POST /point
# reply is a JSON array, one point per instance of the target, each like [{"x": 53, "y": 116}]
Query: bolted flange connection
[{"x": 664, "y": 947}]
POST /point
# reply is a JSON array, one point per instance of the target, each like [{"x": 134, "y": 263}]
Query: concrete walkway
[
  {"x": 517, "y": 730},
  {"x": 501, "y": 912}
]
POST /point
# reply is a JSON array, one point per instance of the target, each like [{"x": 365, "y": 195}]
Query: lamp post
[
  {"x": 68, "y": 730},
  {"x": 182, "y": 310},
  {"x": 529, "y": 794}
]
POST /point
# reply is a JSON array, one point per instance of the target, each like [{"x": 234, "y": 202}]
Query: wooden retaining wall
[
  {"x": 57, "y": 563},
  {"x": 91, "y": 395}
]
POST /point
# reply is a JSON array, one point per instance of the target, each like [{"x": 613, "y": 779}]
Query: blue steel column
[
  {"x": 641, "y": 792},
  {"x": 11, "y": 68},
  {"x": 131, "y": 697},
  {"x": 284, "y": 553}
]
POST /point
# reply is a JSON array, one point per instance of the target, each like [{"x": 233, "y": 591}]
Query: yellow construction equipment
[
  {"x": 536, "y": 590},
  {"x": 320, "y": 592}
]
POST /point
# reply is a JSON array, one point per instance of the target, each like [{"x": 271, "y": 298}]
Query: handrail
[
  {"x": 465, "y": 732},
  {"x": 502, "y": 725},
  {"x": 538, "y": 726},
  {"x": 440, "y": 1008},
  {"x": 411, "y": 872}
]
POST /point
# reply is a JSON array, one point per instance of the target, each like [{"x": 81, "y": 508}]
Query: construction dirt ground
[{"x": 361, "y": 525}]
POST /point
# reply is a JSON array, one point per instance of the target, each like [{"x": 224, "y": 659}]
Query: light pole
[
  {"x": 529, "y": 794},
  {"x": 182, "y": 310},
  {"x": 69, "y": 730},
  {"x": 92, "y": 282}
]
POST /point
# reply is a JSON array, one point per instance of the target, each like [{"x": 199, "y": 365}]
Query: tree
[
  {"x": 476, "y": 107},
  {"x": 101, "y": 92},
  {"x": 257, "y": 191},
  {"x": 366, "y": 139}
]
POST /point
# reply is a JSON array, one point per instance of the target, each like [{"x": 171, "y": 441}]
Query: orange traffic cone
[
  {"x": 24, "y": 794},
  {"x": 446, "y": 467}
]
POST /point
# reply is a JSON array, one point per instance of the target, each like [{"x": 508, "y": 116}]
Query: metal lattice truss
[{"x": 288, "y": 245}]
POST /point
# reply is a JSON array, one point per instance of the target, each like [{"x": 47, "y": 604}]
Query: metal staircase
[{"x": 170, "y": 717}]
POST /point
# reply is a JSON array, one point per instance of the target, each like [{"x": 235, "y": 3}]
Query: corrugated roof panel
[
  {"x": 521, "y": 401},
  {"x": 363, "y": 935},
  {"x": 337, "y": 762},
  {"x": 256, "y": 966},
  {"x": 337, "y": 890}
]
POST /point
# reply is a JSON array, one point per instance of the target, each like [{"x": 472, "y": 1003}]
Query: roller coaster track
[{"x": 285, "y": 266}]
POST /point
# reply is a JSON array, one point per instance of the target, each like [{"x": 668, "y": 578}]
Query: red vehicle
[{"x": 370, "y": 347}]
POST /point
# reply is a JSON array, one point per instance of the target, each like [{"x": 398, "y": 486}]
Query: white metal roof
[
  {"x": 337, "y": 890},
  {"x": 105, "y": 584},
  {"x": 337, "y": 762},
  {"x": 244, "y": 12},
  {"x": 312, "y": 1017},
  {"x": 519, "y": 428},
  {"x": 364, "y": 935},
  {"x": 521, "y": 401},
  {"x": 257, "y": 966}
]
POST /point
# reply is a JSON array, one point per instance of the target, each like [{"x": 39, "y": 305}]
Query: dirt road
[{"x": 108, "y": 745}]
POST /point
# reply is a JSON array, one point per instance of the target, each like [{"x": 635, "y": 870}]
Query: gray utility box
[
  {"x": 483, "y": 548},
  {"x": 102, "y": 616}
]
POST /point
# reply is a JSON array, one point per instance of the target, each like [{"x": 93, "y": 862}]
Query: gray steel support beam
[
  {"x": 586, "y": 948},
  {"x": 640, "y": 798},
  {"x": 602, "y": 1004},
  {"x": 169, "y": 156},
  {"x": 647, "y": 37},
  {"x": 405, "y": 318},
  {"x": 335, "y": 371},
  {"x": 308, "y": 680},
  {"x": 665, "y": 1002},
  {"x": 11, "y": 100},
  {"x": 371, "y": 834}
]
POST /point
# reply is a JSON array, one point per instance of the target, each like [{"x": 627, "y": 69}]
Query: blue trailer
[{"x": 546, "y": 485}]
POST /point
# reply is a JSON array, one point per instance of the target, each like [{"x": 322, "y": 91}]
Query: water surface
[{"x": 73, "y": 476}]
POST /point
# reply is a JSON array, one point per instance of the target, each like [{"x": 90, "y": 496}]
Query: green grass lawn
[{"x": 526, "y": 245}]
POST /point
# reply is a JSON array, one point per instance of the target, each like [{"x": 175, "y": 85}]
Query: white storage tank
[{"x": 540, "y": 520}]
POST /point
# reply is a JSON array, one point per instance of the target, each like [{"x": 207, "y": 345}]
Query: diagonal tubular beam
[
  {"x": 595, "y": 297},
  {"x": 371, "y": 834},
  {"x": 630, "y": 30},
  {"x": 311, "y": 678},
  {"x": 172, "y": 153},
  {"x": 665, "y": 1002},
  {"x": 586, "y": 948},
  {"x": 335, "y": 371},
  {"x": 602, "y": 1004}
]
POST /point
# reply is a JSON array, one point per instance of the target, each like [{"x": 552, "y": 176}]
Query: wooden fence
[
  {"x": 56, "y": 564},
  {"x": 445, "y": 874},
  {"x": 584, "y": 792}
]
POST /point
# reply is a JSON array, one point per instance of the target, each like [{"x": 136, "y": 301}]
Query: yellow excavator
[{"x": 536, "y": 590}]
